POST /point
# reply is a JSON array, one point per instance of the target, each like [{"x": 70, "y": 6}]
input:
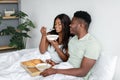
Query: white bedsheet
[{"x": 10, "y": 68}]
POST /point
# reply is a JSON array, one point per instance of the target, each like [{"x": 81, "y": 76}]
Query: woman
[{"x": 58, "y": 49}]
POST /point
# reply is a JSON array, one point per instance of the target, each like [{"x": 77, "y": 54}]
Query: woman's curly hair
[{"x": 65, "y": 21}]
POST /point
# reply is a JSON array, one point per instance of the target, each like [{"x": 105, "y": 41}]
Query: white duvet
[{"x": 10, "y": 68}]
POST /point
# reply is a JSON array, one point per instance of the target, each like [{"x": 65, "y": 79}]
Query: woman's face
[{"x": 58, "y": 25}]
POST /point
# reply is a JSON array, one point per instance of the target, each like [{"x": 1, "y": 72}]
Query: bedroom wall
[{"x": 105, "y": 21}]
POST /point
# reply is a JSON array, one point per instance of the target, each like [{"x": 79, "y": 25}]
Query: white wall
[{"x": 105, "y": 20}]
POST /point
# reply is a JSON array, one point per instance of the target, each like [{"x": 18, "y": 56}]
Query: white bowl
[
  {"x": 42, "y": 66},
  {"x": 52, "y": 37},
  {"x": 8, "y": 13}
]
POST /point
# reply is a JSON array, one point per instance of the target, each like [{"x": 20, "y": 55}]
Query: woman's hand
[
  {"x": 54, "y": 44},
  {"x": 43, "y": 31},
  {"x": 48, "y": 72},
  {"x": 49, "y": 61}
]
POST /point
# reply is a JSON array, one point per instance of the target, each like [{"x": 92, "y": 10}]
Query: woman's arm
[
  {"x": 43, "y": 43},
  {"x": 62, "y": 55}
]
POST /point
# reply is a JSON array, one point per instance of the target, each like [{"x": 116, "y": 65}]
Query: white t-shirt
[
  {"x": 87, "y": 46},
  {"x": 53, "y": 54}
]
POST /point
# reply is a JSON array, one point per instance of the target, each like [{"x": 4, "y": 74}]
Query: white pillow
[{"x": 104, "y": 68}]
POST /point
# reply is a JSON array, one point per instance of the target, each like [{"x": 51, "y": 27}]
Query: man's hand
[{"x": 48, "y": 72}]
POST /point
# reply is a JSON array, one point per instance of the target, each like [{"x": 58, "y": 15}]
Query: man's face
[{"x": 74, "y": 26}]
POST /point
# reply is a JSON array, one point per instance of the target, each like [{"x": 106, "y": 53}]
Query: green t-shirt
[{"x": 84, "y": 47}]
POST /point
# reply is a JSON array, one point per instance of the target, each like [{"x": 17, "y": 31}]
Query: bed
[{"x": 10, "y": 68}]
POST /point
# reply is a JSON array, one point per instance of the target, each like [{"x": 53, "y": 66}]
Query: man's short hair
[{"x": 83, "y": 15}]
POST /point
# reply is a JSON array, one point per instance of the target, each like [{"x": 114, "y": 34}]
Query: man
[{"x": 83, "y": 49}]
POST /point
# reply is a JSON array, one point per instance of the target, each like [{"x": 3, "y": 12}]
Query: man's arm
[{"x": 85, "y": 67}]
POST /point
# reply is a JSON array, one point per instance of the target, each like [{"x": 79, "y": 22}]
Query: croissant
[
  {"x": 28, "y": 63},
  {"x": 36, "y": 61},
  {"x": 32, "y": 63}
]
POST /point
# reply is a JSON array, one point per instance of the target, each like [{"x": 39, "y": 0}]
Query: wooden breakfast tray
[{"x": 33, "y": 71}]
